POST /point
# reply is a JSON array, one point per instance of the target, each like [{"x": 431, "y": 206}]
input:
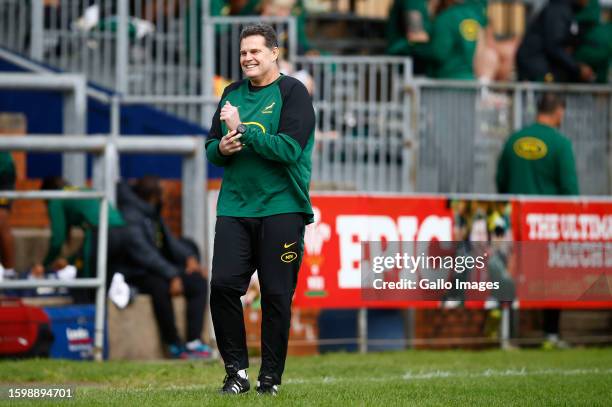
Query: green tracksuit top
[
  {"x": 595, "y": 50},
  {"x": 271, "y": 174},
  {"x": 481, "y": 7},
  {"x": 595, "y": 46},
  {"x": 453, "y": 42},
  {"x": 84, "y": 213},
  {"x": 537, "y": 160},
  {"x": 401, "y": 15}
]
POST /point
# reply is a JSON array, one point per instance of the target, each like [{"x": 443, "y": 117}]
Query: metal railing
[
  {"x": 73, "y": 88},
  {"x": 15, "y": 18},
  {"x": 99, "y": 282},
  {"x": 362, "y": 117},
  {"x": 138, "y": 47},
  {"x": 440, "y": 136},
  {"x": 173, "y": 66},
  {"x": 125, "y": 46},
  {"x": 460, "y": 128},
  {"x": 106, "y": 150}
]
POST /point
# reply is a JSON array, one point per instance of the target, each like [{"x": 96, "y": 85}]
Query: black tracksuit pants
[{"x": 273, "y": 246}]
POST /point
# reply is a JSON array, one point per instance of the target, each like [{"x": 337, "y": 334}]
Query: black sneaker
[
  {"x": 234, "y": 384},
  {"x": 265, "y": 385}
]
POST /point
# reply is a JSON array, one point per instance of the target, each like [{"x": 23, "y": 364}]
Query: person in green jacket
[
  {"x": 539, "y": 160},
  {"x": 454, "y": 38},
  {"x": 7, "y": 183},
  {"x": 409, "y": 26},
  {"x": 82, "y": 213},
  {"x": 262, "y": 134},
  {"x": 595, "y": 44}
]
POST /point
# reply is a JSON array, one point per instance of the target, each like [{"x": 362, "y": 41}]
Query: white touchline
[
  {"x": 437, "y": 374},
  {"x": 409, "y": 375}
]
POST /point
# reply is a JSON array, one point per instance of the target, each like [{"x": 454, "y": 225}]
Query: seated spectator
[
  {"x": 163, "y": 266},
  {"x": 408, "y": 26},
  {"x": 7, "y": 183},
  {"x": 547, "y": 50},
  {"x": 454, "y": 37},
  {"x": 81, "y": 213}
]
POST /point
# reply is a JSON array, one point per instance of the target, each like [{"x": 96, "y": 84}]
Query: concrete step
[{"x": 133, "y": 333}]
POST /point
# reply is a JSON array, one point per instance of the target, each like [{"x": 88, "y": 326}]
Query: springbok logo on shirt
[{"x": 268, "y": 109}]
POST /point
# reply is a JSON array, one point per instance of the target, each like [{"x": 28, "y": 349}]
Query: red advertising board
[
  {"x": 330, "y": 276},
  {"x": 560, "y": 251},
  {"x": 566, "y": 256}
]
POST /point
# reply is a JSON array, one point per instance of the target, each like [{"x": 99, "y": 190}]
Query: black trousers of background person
[
  {"x": 195, "y": 286},
  {"x": 550, "y": 321},
  {"x": 195, "y": 289},
  {"x": 118, "y": 237},
  {"x": 273, "y": 246}
]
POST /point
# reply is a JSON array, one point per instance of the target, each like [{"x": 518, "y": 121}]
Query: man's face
[{"x": 256, "y": 59}]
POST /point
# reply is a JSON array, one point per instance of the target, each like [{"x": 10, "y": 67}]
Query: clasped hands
[{"x": 230, "y": 143}]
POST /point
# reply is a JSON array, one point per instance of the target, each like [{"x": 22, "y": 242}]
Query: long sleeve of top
[
  {"x": 294, "y": 129},
  {"x": 214, "y": 136},
  {"x": 557, "y": 21}
]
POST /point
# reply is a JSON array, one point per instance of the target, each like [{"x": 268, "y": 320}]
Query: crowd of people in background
[{"x": 565, "y": 41}]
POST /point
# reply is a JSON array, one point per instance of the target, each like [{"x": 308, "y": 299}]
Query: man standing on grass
[
  {"x": 539, "y": 160},
  {"x": 262, "y": 134}
]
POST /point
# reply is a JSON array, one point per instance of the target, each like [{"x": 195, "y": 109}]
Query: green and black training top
[{"x": 271, "y": 174}]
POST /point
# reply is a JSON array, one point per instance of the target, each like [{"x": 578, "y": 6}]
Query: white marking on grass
[
  {"x": 420, "y": 375},
  {"x": 443, "y": 374}
]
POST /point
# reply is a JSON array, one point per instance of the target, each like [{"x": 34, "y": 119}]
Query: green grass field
[{"x": 445, "y": 378}]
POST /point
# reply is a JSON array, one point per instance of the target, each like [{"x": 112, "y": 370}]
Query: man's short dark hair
[
  {"x": 265, "y": 30},
  {"x": 550, "y": 102},
  {"x": 148, "y": 187}
]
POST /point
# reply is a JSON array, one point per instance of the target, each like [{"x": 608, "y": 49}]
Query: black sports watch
[{"x": 241, "y": 128}]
